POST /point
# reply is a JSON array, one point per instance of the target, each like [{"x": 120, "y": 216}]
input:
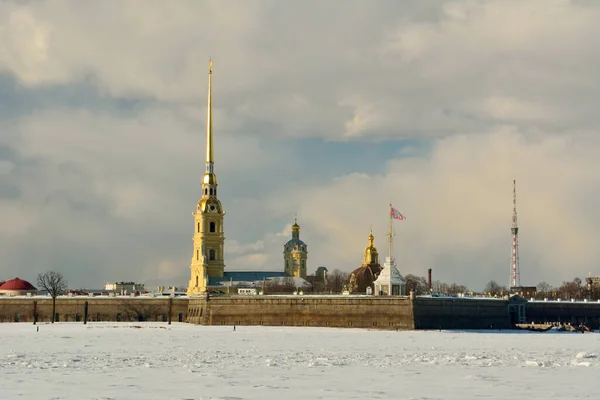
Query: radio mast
[{"x": 515, "y": 274}]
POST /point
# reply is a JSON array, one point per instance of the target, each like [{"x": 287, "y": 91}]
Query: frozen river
[{"x": 158, "y": 361}]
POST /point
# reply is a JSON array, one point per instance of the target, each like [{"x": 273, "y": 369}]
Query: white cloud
[
  {"x": 458, "y": 205},
  {"x": 498, "y": 89},
  {"x": 412, "y": 69}
]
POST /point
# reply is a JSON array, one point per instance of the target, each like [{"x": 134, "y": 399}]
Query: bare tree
[
  {"x": 455, "y": 288},
  {"x": 494, "y": 289},
  {"x": 284, "y": 284},
  {"x": 543, "y": 290},
  {"x": 55, "y": 284},
  {"x": 571, "y": 290},
  {"x": 417, "y": 284},
  {"x": 336, "y": 281}
]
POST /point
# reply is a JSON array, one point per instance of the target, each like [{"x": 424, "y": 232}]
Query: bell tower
[
  {"x": 295, "y": 254},
  {"x": 207, "y": 257}
]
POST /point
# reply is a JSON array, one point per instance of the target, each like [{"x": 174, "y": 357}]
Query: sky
[{"x": 325, "y": 110}]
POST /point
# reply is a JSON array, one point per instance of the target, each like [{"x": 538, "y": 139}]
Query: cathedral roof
[
  {"x": 294, "y": 241},
  {"x": 243, "y": 277},
  {"x": 17, "y": 284},
  {"x": 367, "y": 272}
]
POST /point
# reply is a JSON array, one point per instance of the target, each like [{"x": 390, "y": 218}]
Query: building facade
[
  {"x": 208, "y": 254},
  {"x": 295, "y": 254}
]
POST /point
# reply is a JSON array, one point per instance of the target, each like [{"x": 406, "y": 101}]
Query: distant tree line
[{"x": 576, "y": 290}]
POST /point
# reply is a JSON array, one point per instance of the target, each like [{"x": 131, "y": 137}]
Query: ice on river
[{"x": 128, "y": 361}]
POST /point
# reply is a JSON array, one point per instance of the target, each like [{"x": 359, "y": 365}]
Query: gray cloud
[{"x": 102, "y": 109}]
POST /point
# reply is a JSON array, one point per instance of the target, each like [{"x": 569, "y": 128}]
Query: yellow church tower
[
  {"x": 207, "y": 258},
  {"x": 295, "y": 254}
]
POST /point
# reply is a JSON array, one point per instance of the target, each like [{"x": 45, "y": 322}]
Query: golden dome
[
  {"x": 371, "y": 256},
  {"x": 210, "y": 204},
  {"x": 295, "y": 227}
]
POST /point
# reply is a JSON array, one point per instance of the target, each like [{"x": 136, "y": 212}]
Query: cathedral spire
[{"x": 209, "y": 128}]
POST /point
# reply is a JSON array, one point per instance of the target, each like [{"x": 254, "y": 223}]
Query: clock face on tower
[{"x": 212, "y": 208}]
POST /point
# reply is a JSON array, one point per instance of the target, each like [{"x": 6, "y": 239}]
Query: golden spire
[{"x": 209, "y": 130}]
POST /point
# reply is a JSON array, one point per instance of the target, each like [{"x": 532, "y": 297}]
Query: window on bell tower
[
  {"x": 198, "y": 227},
  {"x": 211, "y": 191},
  {"x": 213, "y": 227},
  {"x": 197, "y": 254},
  {"x": 211, "y": 255}
]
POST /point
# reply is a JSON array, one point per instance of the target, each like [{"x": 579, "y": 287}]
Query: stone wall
[
  {"x": 564, "y": 311},
  {"x": 332, "y": 311},
  {"x": 460, "y": 313},
  {"x": 99, "y": 309}
]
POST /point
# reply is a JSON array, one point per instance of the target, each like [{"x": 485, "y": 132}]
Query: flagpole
[{"x": 391, "y": 234}]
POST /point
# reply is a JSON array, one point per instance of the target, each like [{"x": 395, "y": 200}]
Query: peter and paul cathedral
[{"x": 208, "y": 254}]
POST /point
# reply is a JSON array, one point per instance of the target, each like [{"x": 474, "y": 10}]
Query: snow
[{"x": 182, "y": 361}]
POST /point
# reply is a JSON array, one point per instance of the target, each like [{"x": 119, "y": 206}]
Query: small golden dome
[{"x": 371, "y": 256}]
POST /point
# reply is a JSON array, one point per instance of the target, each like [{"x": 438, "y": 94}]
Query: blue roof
[{"x": 243, "y": 276}]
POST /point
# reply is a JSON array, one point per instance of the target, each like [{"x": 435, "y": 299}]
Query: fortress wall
[
  {"x": 334, "y": 311},
  {"x": 564, "y": 311},
  {"x": 69, "y": 309},
  {"x": 460, "y": 313}
]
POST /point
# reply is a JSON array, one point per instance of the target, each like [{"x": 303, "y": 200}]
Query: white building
[
  {"x": 125, "y": 287},
  {"x": 390, "y": 282}
]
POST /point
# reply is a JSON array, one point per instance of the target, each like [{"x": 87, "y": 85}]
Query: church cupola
[
  {"x": 371, "y": 256},
  {"x": 296, "y": 230}
]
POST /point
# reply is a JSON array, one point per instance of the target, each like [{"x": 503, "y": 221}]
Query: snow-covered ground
[{"x": 156, "y": 361}]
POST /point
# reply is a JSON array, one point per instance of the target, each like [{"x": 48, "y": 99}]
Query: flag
[{"x": 396, "y": 214}]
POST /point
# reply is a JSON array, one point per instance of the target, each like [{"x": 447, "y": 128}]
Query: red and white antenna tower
[{"x": 515, "y": 275}]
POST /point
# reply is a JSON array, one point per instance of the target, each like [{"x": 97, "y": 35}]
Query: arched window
[
  {"x": 211, "y": 254},
  {"x": 213, "y": 227},
  {"x": 197, "y": 254},
  {"x": 205, "y": 191},
  {"x": 196, "y": 281},
  {"x": 198, "y": 227},
  {"x": 211, "y": 191}
]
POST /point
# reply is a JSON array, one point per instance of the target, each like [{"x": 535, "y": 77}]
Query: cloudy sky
[{"x": 330, "y": 110}]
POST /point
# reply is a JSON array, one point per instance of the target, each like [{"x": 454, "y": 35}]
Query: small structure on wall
[
  {"x": 125, "y": 287},
  {"x": 17, "y": 287},
  {"x": 390, "y": 282}
]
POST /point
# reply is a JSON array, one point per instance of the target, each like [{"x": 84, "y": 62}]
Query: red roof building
[{"x": 17, "y": 287}]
